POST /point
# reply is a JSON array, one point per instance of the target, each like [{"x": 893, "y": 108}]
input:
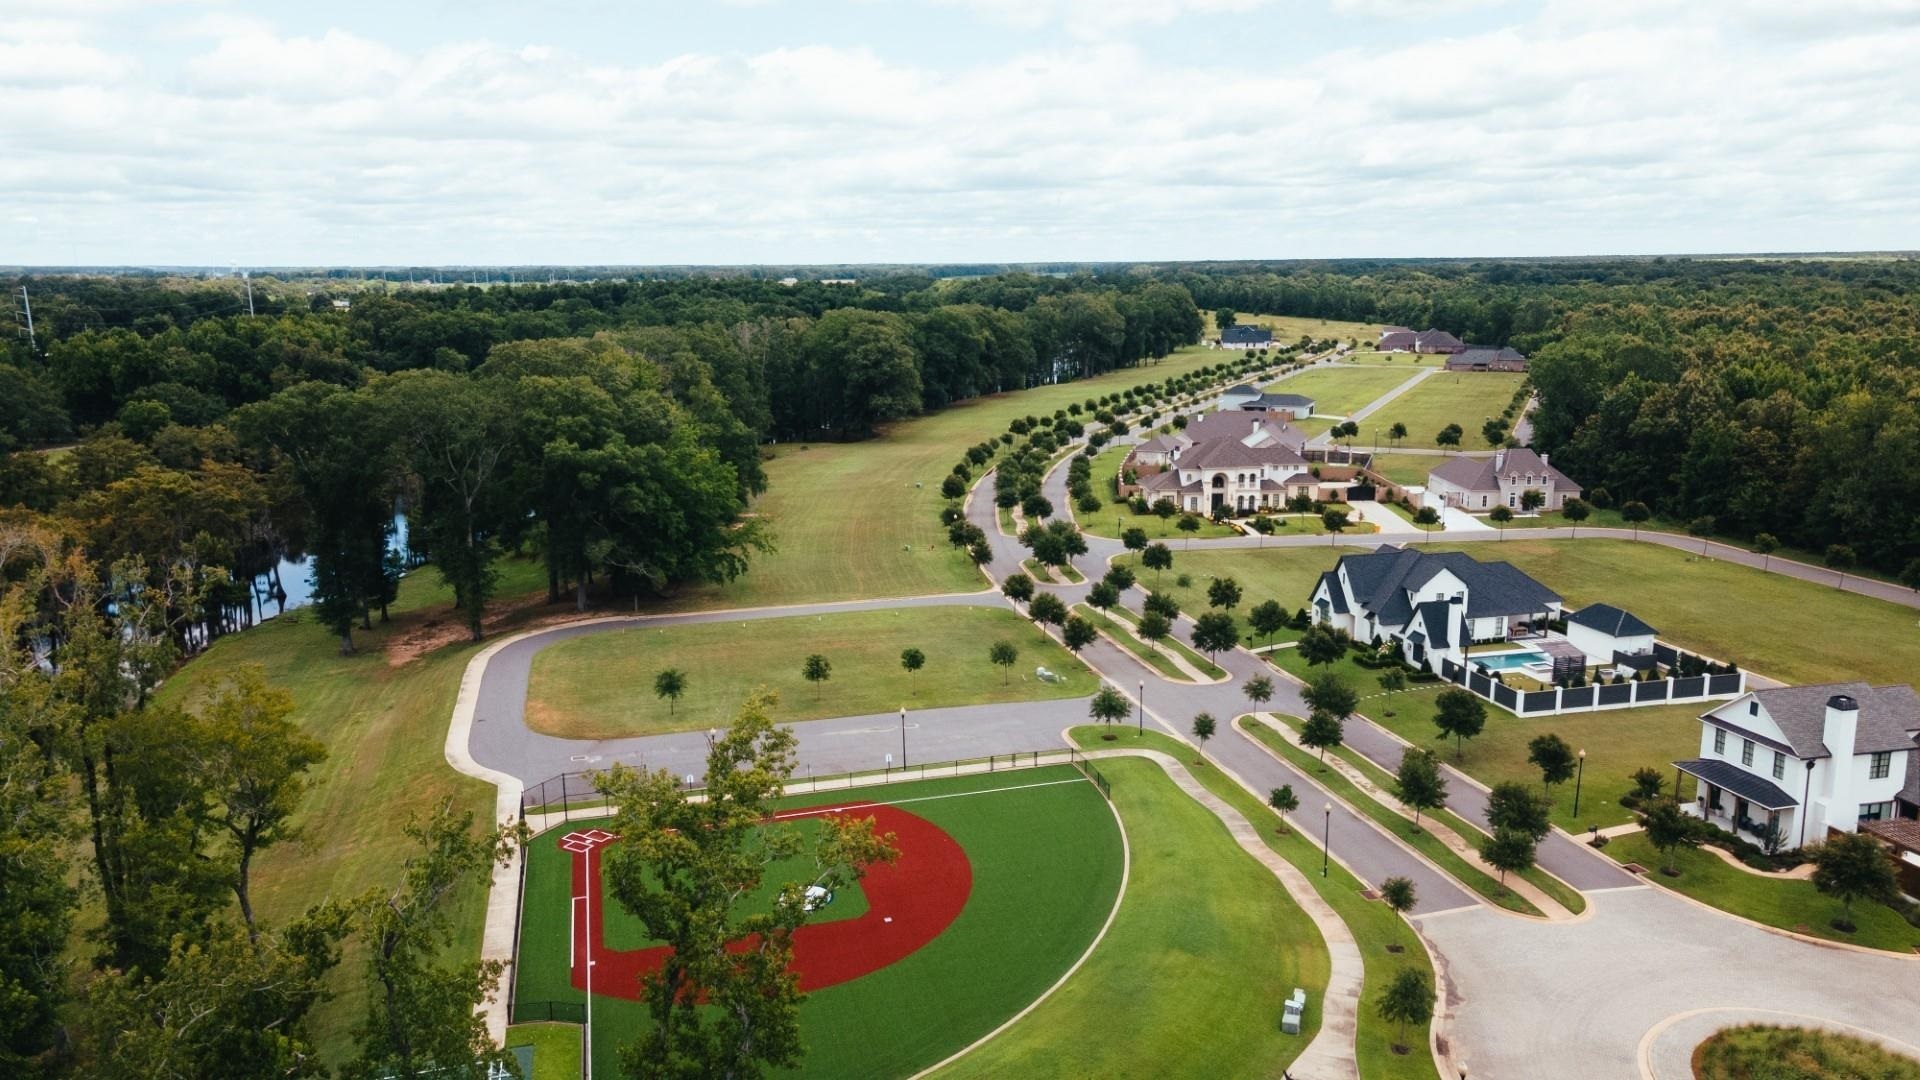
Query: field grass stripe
[{"x": 923, "y": 798}]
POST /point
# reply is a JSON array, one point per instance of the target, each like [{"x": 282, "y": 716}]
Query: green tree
[
  {"x": 1575, "y": 511},
  {"x": 725, "y": 1002},
  {"x": 1323, "y": 731},
  {"x": 1283, "y": 801},
  {"x": 817, "y": 669},
  {"x": 1157, "y": 557},
  {"x": 1494, "y": 431},
  {"x": 1321, "y": 644},
  {"x": 1079, "y": 632},
  {"x": 1512, "y": 805},
  {"x": 1155, "y": 628},
  {"x": 422, "y": 992},
  {"x": 1426, "y": 517},
  {"x": 1500, "y": 515},
  {"x": 1267, "y": 618},
  {"x": 1459, "y": 716},
  {"x": 1449, "y": 435},
  {"x": 1003, "y": 653},
  {"x": 1669, "y": 828},
  {"x": 1329, "y": 693},
  {"x": 1103, "y": 595},
  {"x": 1765, "y": 544},
  {"x": 1214, "y": 632},
  {"x": 1108, "y": 705},
  {"x": 1840, "y": 557},
  {"x": 1397, "y": 432},
  {"x": 1554, "y": 758},
  {"x": 1508, "y": 850},
  {"x": 1223, "y": 593},
  {"x": 1854, "y": 866},
  {"x": 1633, "y": 513},
  {"x": 1047, "y": 608},
  {"x": 1419, "y": 783},
  {"x": 1532, "y": 500},
  {"x": 953, "y": 488},
  {"x": 911, "y": 661},
  {"x": 863, "y": 371},
  {"x": 1392, "y": 681},
  {"x": 1017, "y": 588},
  {"x": 1133, "y": 539},
  {"x": 670, "y": 683},
  {"x": 1036, "y": 506},
  {"x": 1408, "y": 999},
  {"x": 1335, "y": 520},
  {"x": 1189, "y": 524},
  {"x": 1203, "y": 729},
  {"x": 1399, "y": 895},
  {"x": 1258, "y": 690}
]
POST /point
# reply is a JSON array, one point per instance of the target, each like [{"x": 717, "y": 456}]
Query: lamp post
[
  {"x": 1577, "y": 776},
  {"x": 588, "y": 1032},
  {"x": 1143, "y": 706},
  {"x": 1326, "y": 840},
  {"x": 903, "y": 736}
]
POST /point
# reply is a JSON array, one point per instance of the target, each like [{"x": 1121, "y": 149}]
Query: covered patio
[{"x": 1741, "y": 802}]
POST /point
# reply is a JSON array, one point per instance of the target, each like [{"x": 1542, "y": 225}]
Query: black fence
[
  {"x": 1595, "y": 696},
  {"x": 1099, "y": 778},
  {"x": 546, "y": 1012}
]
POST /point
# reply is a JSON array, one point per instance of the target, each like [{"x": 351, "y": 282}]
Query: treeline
[{"x": 1769, "y": 400}]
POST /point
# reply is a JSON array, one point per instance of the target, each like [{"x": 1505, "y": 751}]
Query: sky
[{"x": 462, "y": 132}]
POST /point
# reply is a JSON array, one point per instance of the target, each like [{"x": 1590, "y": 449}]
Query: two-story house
[
  {"x": 1807, "y": 761},
  {"x": 1434, "y": 604},
  {"x": 1234, "y": 461},
  {"x": 1478, "y": 484}
]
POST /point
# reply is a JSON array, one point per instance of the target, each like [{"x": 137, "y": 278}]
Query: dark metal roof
[
  {"x": 1382, "y": 578},
  {"x": 1335, "y": 594},
  {"x": 1725, "y": 774},
  {"x": 1433, "y": 616},
  {"x": 1609, "y": 620},
  {"x": 1245, "y": 335}
]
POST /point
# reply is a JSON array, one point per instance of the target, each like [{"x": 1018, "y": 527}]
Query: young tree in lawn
[
  {"x": 953, "y": 488},
  {"x": 1330, "y": 694},
  {"x": 1322, "y": 731},
  {"x": 1397, "y": 432},
  {"x": 1108, "y": 705},
  {"x": 1321, "y": 644},
  {"x": 1267, "y": 619},
  {"x": 1134, "y": 538},
  {"x": 1157, "y": 557},
  {"x": 1284, "y": 802},
  {"x": 1223, "y": 593},
  {"x": 1426, "y": 517},
  {"x": 1047, "y": 608},
  {"x": 1203, "y": 728},
  {"x": 1669, "y": 828},
  {"x": 1215, "y": 632},
  {"x": 1459, "y": 716},
  {"x": 1509, "y": 850},
  {"x": 1078, "y": 632},
  {"x": 1335, "y": 520},
  {"x": 1449, "y": 435},
  {"x": 912, "y": 660},
  {"x": 816, "y": 670},
  {"x": 1840, "y": 557},
  {"x": 669, "y": 684},
  {"x": 1633, "y": 513},
  {"x": 1494, "y": 431},
  {"x": 1003, "y": 653},
  {"x": 1513, "y": 805},
  {"x": 1765, "y": 544},
  {"x": 1854, "y": 866},
  {"x": 1189, "y": 524},
  {"x": 1532, "y": 500},
  {"x": 1400, "y": 896},
  {"x": 1155, "y": 627},
  {"x": 1575, "y": 511},
  {"x": 1259, "y": 690},
  {"x": 1500, "y": 515},
  {"x": 1647, "y": 782},
  {"x": 1103, "y": 595},
  {"x": 1419, "y": 783},
  {"x": 1017, "y": 588},
  {"x": 1408, "y": 999},
  {"x": 725, "y": 1002},
  {"x": 1392, "y": 681},
  {"x": 1554, "y": 758},
  {"x": 1120, "y": 577}
]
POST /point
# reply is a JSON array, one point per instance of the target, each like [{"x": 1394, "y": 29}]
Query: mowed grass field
[
  {"x": 1340, "y": 389},
  {"x": 1288, "y": 328},
  {"x": 1397, "y": 359},
  {"x": 1047, "y": 864},
  {"x": 1465, "y": 398},
  {"x": 600, "y": 686},
  {"x": 848, "y": 520},
  {"x": 1190, "y": 980}
]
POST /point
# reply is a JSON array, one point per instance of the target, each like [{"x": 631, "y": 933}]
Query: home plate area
[{"x": 907, "y": 905}]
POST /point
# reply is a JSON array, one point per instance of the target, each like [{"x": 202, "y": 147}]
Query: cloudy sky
[{"x": 647, "y": 131}]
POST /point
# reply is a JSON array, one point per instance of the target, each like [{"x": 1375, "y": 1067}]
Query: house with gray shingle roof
[
  {"x": 1434, "y": 603},
  {"x": 1246, "y": 337},
  {"x": 1231, "y": 461},
  {"x": 1608, "y": 635},
  {"x": 1478, "y": 484},
  {"x": 1487, "y": 358},
  {"x": 1805, "y": 761}
]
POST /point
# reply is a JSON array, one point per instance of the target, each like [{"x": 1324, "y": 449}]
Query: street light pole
[
  {"x": 903, "y": 739},
  {"x": 1577, "y": 777},
  {"x": 1326, "y": 840},
  {"x": 1143, "y": 706},
  {"x": 588, "y": 1033}
]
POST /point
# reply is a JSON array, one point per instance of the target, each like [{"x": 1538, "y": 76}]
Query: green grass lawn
[
  {"x": 1788, "y": 1053},
  {"x": 601, "y": 685},
  {"x": 1374, "y": 925},
  {"x": 1338, "y": 390},
  {"x": 1046, "y": 867},
  {"x": 849, "y": 520},
  {"x": 384, "y": 726},
  {"x": 1191, "y": 977},
  {"x": 1464, "y": 398},
  {"x": 556, "y": 1049},
  {"x": 1401, "y": 826},
  {"x": 1283, "y": 574},
  {"x": 1405, "y": 361},
  {"x": 1288, "y": 328},
  {"x": 1785, "y": 903},
  {"x": 1175, "y": 643},
  {"x": 1402, "y": 468}
]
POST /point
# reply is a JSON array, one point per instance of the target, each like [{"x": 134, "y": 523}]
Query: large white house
[
  {"x": 1808, "y": 761},
  {"x": 1478, "y": 484},
  {"x": 1434, "y": 604},
  {"x": 1230, "y": 460}
]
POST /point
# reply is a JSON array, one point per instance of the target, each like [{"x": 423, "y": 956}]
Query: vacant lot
[
  {"x": 1287, "y": 329},
  {"x": 1340, "y": 390},
  {"x": 1464, "y": 398},
  {"x": 1397, "y": 359},
  {"x": 601, "y": 685},
  {"x": 1399, "y": 468}
]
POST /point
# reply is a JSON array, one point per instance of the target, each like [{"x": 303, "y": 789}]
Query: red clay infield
[{"x": 908, "y": 904}]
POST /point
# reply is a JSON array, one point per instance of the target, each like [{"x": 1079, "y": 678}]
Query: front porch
[{"x": 1744, "y": 804}]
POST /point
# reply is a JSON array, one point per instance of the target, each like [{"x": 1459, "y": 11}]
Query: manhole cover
[{"x": 1634, "y": 868}]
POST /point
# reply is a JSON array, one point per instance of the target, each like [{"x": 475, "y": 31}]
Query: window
[
  {"x": 1513, "y": 500},
  {"x": 1876, "y": 811},
  {"x": 1753, "y": 708},
  {"x": 1746, "y": 751},
  {"x": 1779, "y": 765},
  {"x": 1879, "y": 765},
  {"x": 1719, "y": 742}
]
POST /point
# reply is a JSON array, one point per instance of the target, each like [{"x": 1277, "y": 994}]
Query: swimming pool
[{"x": 1511, "y": 661}]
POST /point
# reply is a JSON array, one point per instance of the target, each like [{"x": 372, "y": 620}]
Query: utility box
[{"x": 1290, "y": 1017}]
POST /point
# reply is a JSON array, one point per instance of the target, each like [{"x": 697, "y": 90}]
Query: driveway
[{"x": 1457, "y": 520}]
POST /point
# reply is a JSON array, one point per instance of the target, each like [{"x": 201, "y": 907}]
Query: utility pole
[
  {"x": 248, "y": 278},
  {"x": 26, "y": 313}
]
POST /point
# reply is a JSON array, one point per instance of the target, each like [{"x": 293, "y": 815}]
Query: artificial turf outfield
[{"x": 1046, "y": 864}]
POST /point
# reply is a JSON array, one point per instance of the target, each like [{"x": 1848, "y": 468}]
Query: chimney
[
  {"x": 1499, "y": 460},
  {"x": 1841, "y": 725},
  {"x": 1544, "y": 461}
]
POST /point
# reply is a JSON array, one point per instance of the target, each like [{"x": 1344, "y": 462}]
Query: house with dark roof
[
  {"x": 1291, "y": 406},
  {"x": 1478, "y": 484},
  {"x": 1486, "y": 358},
  {"x": 1434, "y": 603},
  {"x": 1401, "y": 339},
  {"x": 1245, "y": 337},
  {"x": 1794, "y": 764},
  {"x": 1609, "y": 636},
  {"x": 1231, "y": 461}
]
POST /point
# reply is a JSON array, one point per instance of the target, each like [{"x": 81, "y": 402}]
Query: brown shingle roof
[{"x": 1482, "y": 473}]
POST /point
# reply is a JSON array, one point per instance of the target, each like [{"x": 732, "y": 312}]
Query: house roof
[
  {"x": 1758, "y": 790},
  {"x": 1159, "y": 444},
  {"x": 1911, "y": 790},
  {"x": 1382, "y": 578},
  {"x": 1233, "y": 454},
  {"x": 1241, "y": 426},
  {"x": 1243, "y": 390},
  {"x": 1485, "y": 356},
  {"x": 1245, "y": 335},
  {"x": 1433, "y": 616},
  {"x": 1336, "y": 595},
  {"x": 1889, "y": 716},
  {"x": 1483, "y": 473},
  {"x": 1282, "y": 401},
  {"x": 1397, "y": 338},
  {"x": 1900, "y": 832},
  {"x": 1610, "y": 620},
  {"x": 1430, "y": 339},
  {"x": 1165, "y": 483}
]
